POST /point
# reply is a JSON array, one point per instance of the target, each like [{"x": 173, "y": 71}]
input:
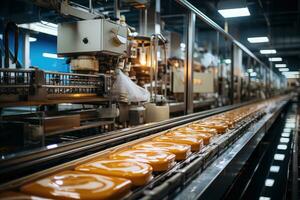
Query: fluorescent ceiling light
[
  {"x": 283, "y": 69},
  {"x": 269, "y": 182},
  {"x": 284, "y": 140},
  {"x": 227, "y": 61},
  {"x": 282, "y": 147},
  {"x": 290, "y": 72},
  {"x": 264, "y": 198},
  {"x": 51, "y": 55},
  {"x": 268, "y": 51},
  {"x": 32, "y": 39},
  {"x": 43, "y": 27},
  {"x": 275, "y": 59},
  {"x": 182, "y": 45},
  {"x": 280, "y": 65},
  {"x": 258, "y": 39},
  {"x": 285, "y": 134},
  {"x": 49, "y": 24},
  {"x": 292, "y": 76},
  {"x": 279, "y": 156},
  {"x": 234, "y": 12},
  {"x": 250, "y": 70},
  {"x": 253, "y": 74},
  {"x": 274, "y": 168}
]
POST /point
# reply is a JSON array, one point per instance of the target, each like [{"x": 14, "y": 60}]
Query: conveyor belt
[
  {"x": 26, "y": 163},
  {"x": 182, "y": 173},
  {"x": 223, "y": 171}
]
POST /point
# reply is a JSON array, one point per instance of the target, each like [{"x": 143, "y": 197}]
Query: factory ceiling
[{"x": 277, "y": 19}]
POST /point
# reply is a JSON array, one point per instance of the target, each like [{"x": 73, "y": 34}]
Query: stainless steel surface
[
  {"x": 83, "y": 126},
  {"x": 168, "y": 183},
  {"x": 91, "y": 37},
  {"x": 179, "y": 107},
  {"x": 221, "y": 172},
  {"x": 295, "y": 162},
  {"x": 237, "y": 59},
  {"x": 182, "y": 168},
  {"x": 33, "y": 159},
  {"x": 77, "y": 11},
  {"x": 188, "y": 68},
  {"x": 33, "y": 85},
  {"x": 137, "y": 115}
]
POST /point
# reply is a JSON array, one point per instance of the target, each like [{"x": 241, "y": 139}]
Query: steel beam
[
  {"x": 26, "y": 50},
  {"x": 188, "y": 69}
]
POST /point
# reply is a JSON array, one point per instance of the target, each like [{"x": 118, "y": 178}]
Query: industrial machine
[
  {"x": 113, "y": 74},
  {"x": 128, "y": 88},
  {"x": 94, "y": 46}
]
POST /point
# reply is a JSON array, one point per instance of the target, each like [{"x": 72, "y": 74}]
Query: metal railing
[
  {"x": 42, "y": 84},
  {"x": 70, "y": 83},
  {"x": 15, "y": 81}
]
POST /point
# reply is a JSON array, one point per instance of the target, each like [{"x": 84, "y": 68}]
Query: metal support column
[
  {"x": 231, "y": 90},
  {"x": 143, "y": 22},
  {"x": 188, "y": 72},
  {"x": 270, "y": 82},
  {"x": 117, "y": 9},
  {"x": 153, "y": 17},
  {"x": 26, "y": 50},
  {"x": 237, "y": 65},
  {"x": 266, "y": 82}
]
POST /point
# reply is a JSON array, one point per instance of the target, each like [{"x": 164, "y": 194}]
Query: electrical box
[{"x": 91, "y": 37}]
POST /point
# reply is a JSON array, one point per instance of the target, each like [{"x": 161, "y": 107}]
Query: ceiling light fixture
[
  {"x": 250, "y": 70},
  {"x": 268, "y": 51},
  {"x": 280, "y": 65},
  {"x": 227, "y": 61},
  {"x": 258, "y": 39},
  {"x": 49, "y": 24},
  {"x": 51, "y": 55},
  {"x": 32, "y": 39},
  {"x": 291, "y": 73},
  {"x": 43, "y": 27},
  {"x": 292, "y": 76},
  {"x": 283, "y": 69},
  {"x": 275, "y": 59},
  {"x": 234, "y": 12},
  {"x": 253, "y": 74}
]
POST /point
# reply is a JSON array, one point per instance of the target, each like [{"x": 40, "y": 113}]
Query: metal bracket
[{"x": 79, "y": 12}]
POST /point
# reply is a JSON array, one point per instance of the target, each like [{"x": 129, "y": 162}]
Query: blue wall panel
[{"x": 46, "y": 44}]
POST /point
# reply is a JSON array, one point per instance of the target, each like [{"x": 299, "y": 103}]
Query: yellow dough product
[
  {"x": 223, "y": 119},
  {"x": 79, "y": 185},
  {"x": 205, "y": 136},
  {"x": 219, "y": 126},
  {"x": 159, "y": 160},
  {"x": 10, "y": 195},
  {"x": 196, "y": 143},
  {"x": 139, "y": 173},
  {"x": 181, "y": 151},
  {"x": 202, "y": 129}
]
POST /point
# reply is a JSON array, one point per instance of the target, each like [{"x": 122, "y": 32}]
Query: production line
[
  {"x": 121, "y": 171},
  {"x": 146, "y": 99}
]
